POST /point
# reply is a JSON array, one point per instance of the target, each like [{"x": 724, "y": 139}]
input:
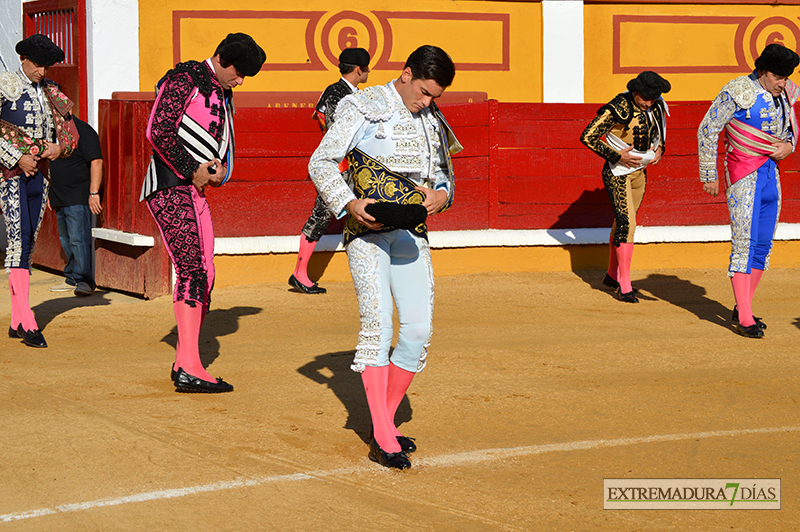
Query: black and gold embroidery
[{"x": 373, "y": 180}]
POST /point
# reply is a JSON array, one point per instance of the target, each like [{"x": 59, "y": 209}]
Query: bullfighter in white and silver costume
[
  {"x": 398, "y": 146},
  {"x": 756, "y": 112}
]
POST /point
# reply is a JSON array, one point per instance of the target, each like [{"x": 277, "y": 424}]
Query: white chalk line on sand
[{"x": 455, "y": 459}]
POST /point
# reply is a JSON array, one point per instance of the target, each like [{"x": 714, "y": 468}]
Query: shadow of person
[
  {"x": 688, "y": 296},
  {"x": 797, "y": 322},
  {"x": 218, "y": 322},
  {"x": 47, "y": 310},
  {"x": 333, "y": 370}
]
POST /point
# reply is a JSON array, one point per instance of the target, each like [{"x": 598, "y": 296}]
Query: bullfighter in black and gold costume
[
  {"x": 629, "y": 133},
  {"x": 35, "y": 128}
]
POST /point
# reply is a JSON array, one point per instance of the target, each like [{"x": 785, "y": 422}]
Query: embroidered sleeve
[
  {"x": 719, "y": 114},
  {"x": 591, "y": 136},
  {"x": 323, "y": 168},
  {"x": 162, "y": 129}
]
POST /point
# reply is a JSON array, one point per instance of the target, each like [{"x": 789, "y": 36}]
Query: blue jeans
[{"x": 75, "y": 234}]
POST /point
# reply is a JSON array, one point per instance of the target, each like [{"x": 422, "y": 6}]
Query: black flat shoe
[
  {"x": 172, "y": 374},
  {"x": 751, "y": 331},
  {"x": 627, "y": 297},
  {"x": 12, "y": 333},
  {"x": 188, "y": 384},
  {"x": 612, "y": 283},
  {"x": 407, "y": 444},
  {"x": 391, "y": 460},
  {"x": 313, "y": 289},
  {"x": 735, "y": 318},
  {"x": 33, "y": 338}
]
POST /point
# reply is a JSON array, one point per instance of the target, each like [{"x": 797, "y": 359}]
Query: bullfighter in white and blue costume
[
  {"x": 399, "y": 147},
  {"x": 757, "y": 114}
]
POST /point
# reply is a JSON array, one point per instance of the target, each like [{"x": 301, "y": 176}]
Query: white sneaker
[{"x": 63, "y": 287}]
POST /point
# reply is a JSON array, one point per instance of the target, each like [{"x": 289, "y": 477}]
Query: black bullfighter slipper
[
  {"x": 313, "y": 289},
  {"x": 627, "y": 297},
  {"x": 407, "y": 444},
  {"x": 12, "y": 333},
  {"x": 751, "y": 331},
  {"x": 33, "y": 338},
  {"x": 188, "y": 384},
  {"x": 391, "y": 460}
]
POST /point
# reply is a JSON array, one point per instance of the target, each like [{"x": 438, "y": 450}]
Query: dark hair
[
  {"x": 431, "y": 62},
  {"x": 346, "y": 68}
]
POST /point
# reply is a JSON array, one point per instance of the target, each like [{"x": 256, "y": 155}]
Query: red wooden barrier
[{"x": 523, "y": 168}]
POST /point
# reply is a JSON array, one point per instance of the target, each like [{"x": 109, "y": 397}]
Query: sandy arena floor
[{"x": 538, "y": 387}]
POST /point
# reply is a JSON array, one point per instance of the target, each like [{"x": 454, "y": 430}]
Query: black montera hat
[
  {"x": 777, "y": 59},
  {"x": 406, "y": 216},
  {"x": 355, "y": 56},
  {"x": 649, "y": 84},
  {"x": 40, "y": 49},
  {"x": 241, "y": 51}
]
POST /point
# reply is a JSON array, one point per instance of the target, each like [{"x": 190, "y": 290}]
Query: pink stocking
[
  {"x": 187, "y": 354},
  {"x": 624, "y": 255},
  {"x": 755, "y": 278},
  {"x": 303, "y": 256},
  {"x": 741, "y": 291},
  {"x": 15, "y": 316},
  {"x": 20, "y": 280},
  {"x": 612, "y": 258},
  {"x": 375, "y": 384},
  {"x": 399, "y": 381}
]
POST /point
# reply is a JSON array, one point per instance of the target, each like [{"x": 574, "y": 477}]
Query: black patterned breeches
[
  {"x": 184, "y": 220},
  {"x": 626, "y": 193}
]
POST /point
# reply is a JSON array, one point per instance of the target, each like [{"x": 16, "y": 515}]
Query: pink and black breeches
[{"x": 184, "y": 218}]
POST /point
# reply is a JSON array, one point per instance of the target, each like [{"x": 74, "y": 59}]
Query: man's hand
[
  {"x": 657, "y": 158},
  {"x": 202, "y": 178},
  {"x": 628, "y": 159},
  {"x": 52, "y": 152},
  {"x": 94, "y": 204},
  {"x": 783, "y": 150},
  {"x": 712, "y": 187},
  {"x": 356, "y": 209},
  {"x": 29, "y": 164},
  {"x": 434, "y": 199}
]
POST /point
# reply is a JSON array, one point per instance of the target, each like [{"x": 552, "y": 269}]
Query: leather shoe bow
[
  {"x": 188, "y": 384},
  {"x": 33, "y": 338},
  {"x": 313, "y": 289},
  {"x": 391, "y": 460}
]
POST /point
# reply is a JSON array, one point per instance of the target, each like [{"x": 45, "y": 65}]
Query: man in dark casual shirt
[{"x": 75, "y": 197}]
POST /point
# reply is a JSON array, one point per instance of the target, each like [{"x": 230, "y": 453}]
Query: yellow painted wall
[
  {"x": 332, "y": 267},
  {"x": 496, "y": 45},
  {"x": 698, "y": 48}
]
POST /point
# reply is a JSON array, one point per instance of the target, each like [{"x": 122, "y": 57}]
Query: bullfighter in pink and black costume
[
  {"x": 757, "y": 114},
  {"x": 191, "y": 132}
]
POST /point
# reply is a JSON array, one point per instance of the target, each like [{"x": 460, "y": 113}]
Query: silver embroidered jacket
[
  {"x": 377, "y": 122},
  {"x": 21, "y": 105},
  {"x": 737, "y": 99}
]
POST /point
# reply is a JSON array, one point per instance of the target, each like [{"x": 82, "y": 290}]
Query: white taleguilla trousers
[{"x": 388, "y": 269}]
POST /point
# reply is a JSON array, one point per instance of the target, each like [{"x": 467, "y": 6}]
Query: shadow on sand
[
  {"x": 46, "y": 311},
  {"x": 218, "y": 322},
  {"x": 674, "y": 290},
  {"x": 333, "y": 370}
]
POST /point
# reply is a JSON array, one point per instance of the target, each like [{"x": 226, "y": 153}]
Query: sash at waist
[
  {"x": 749, "y": 148},
  {"x": 373, "y": 180}
]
